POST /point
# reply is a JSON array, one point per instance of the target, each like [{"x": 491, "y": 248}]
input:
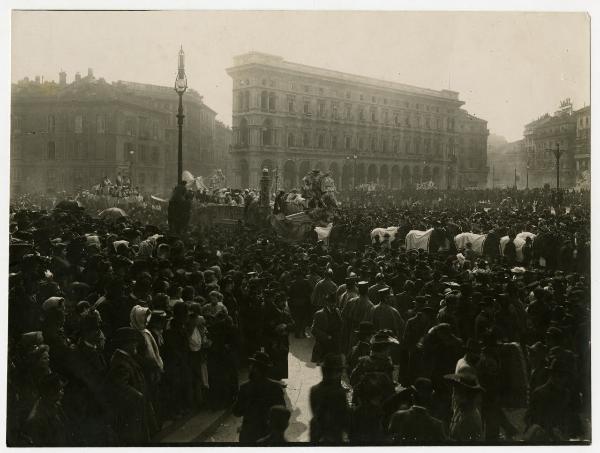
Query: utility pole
[
  {"x": 493, "y": 176},
  {"x": 515, "y": 177},
  {"x": 557, "y": 154}
]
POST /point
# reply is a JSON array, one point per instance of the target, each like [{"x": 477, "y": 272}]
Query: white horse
[
  {"x": 417, "y": 239},
  {"x": 519, "y": 242},
  {"x": 477, "y": 241},
  {"x": 381, "y": 232}
]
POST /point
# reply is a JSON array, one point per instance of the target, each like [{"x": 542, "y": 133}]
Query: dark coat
[
  {"x": 255, "y": 398},
  {"x": 416, "y": 425},
  {"x": 47, "y": 426},
  {"x": 327, "y": 329},
  {"x": 329, "y": 406},
  {"x": 133, "y": 414},
  {"x": 277, "y": 344}
]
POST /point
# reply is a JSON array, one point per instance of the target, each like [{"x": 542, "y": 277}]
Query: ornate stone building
[
  {"x": 292, "y": 118},
  {"x": 67, "y": 136},
  {"x": 540, "y": 139},
  {"x": 583, "y": 122}
]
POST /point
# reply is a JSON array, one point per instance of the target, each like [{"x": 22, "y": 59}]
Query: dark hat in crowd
[
  {"x": 351, "y": 279},
  {"x": 559, "y": 366},
  {"x": 465, "y": 380},
  {"x": 126, "y": 335},
  {"x": 422, "y": 386},
  {"x": 54, "y": 303},
  {"x": 384, "y": 337},
  {"x": 384, "y": 291},
  {"x": 537, "y": 348},
  {"x": 333, "y": 362},
  {"x": 261, "y": 359},
  {"x": 554, "y": 333},
  {"x": 363, "y": 284},
  {"x": 365, "y": 328}
]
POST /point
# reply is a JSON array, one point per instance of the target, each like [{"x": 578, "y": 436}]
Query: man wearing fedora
[
  {"x": 255, "y": 399},
  {"x": 416, "y": 424},
  {"x": 329, "y": 403},
  {"x": 377, "y": 363},
  {"x": 327, "y": 330}
]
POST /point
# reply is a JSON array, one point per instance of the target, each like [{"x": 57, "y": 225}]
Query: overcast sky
[{"x": 509, "y": 68}]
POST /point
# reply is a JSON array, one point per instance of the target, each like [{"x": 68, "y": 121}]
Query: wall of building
[{"x": 291, "y": 118}]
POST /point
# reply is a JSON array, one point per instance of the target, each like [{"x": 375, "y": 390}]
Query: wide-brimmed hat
[
  {"x": 466, "y": 380},
  {"x": 384, "y": 337},
  {"x": 262, "y": 359},
  {"x": 363, "y": 284},
  {"x": 422, "y": 386},
  {"x": 384, "y": 291},
  {"x": 365, "y": 328}
]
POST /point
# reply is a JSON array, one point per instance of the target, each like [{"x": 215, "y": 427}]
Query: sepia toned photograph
[{"x": 318, "y": 228}]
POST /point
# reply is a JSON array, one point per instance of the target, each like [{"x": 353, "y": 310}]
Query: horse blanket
[
  {"x": 519, "y": 242},
  {"x": 417, "y": 239},
  {"x": 380, "y": 233},
  {"x": 476, "y": 240}
]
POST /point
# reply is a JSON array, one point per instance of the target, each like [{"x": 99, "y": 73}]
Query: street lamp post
[
  {"x": 354, "y": 157},
  {"x": 557, "y": 154},
  {"x": 131, "y": 154},
  {"x": 180, "y": 87}
]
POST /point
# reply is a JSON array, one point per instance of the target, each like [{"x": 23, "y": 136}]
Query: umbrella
[{"x": 112, "y": 213}]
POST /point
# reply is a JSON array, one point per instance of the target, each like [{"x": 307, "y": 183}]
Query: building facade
[
  {"x": 541, "y": 139},
  {"x": 508, "y": 167},
  {"x": 292, "y": 118},
  {"x": 69, "y": 136},
  {"x": 471, "y": 150},
  {"x": 583, "y": 120}
]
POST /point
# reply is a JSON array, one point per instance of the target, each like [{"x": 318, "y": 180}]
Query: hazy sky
[{"x": 508, "y": 67}]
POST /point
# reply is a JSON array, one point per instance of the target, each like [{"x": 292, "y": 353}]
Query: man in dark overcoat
[{"x": 327, "y": 330}]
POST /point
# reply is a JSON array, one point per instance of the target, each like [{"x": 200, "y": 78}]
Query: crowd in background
[{"x": 118, "y": 326}]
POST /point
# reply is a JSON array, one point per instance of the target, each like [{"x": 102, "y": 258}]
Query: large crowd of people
[{"x": 117, "y": 326}]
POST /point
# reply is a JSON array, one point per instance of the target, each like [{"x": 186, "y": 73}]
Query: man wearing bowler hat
[
  {"x": 255, "y": 399},
  {"x": 377, "y": 363},
  {"x": 363, "y": 347},
  {"x": 327, "y": 329}
]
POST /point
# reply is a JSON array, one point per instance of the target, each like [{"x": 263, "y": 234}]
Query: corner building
[{"x": 292, "y": 118}]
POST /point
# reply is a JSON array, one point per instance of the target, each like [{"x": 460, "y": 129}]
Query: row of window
[
  {"x": 346, "y": 94},
  {"x": 347, "y": 112},
  {"x": 270, "y": 137}
]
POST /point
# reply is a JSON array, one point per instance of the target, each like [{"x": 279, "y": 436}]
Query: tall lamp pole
[
  {"x": 131, "y": 154},
  {"x": 557, "y": 154},
  {"x": 180, "y": 87}
]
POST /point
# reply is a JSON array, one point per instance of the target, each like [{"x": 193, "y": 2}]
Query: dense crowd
[{"x": 118, "y": 326}]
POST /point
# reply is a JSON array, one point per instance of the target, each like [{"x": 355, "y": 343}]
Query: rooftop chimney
[
  {"x": 77, "y": 77},
  {"x": 62, "y": 78},
  {"x": 90, "y": 73}
]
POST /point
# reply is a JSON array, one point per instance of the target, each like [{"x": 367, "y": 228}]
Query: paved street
[{"x": 302, "y": 375}]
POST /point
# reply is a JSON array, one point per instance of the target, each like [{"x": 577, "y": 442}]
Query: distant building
[
  {"x": 68, "y": 136},
  {"x": 471, "y": 150},
  {"x": 583, "y": 122},
  {"x": 543, "y": 135},
  {"x": 508, "y": 166},
  {"x": 291, "y": 118}
]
